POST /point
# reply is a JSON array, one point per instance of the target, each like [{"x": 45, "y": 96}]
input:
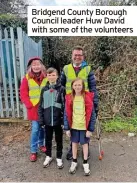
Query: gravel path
[{"x": 119, "y": 162}]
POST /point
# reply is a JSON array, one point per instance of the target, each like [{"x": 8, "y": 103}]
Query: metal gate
[{"x": 14, "y": 54}]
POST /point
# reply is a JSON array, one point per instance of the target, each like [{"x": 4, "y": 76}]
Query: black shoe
[{"x": 69, "y": 156}]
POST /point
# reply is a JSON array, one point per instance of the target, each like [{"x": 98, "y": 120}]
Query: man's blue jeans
[{"x": 37, "y": 136}]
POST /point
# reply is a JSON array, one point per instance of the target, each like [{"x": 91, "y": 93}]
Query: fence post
[
  {"x": 1, "y": 104},
  {"x": 21, "y": 59},
  {"x": 10, "y": 84},
  {"x": 4, "y": 79},
  {"x": 15, "y": 70},
  {"x": 40, "y": 49}
]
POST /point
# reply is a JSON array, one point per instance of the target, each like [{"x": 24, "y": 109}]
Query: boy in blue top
[{"x": 51, "y": 115}]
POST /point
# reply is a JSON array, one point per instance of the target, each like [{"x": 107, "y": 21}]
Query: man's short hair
[
  {"x": 51, "y": 70},
  {"x": 78, "y": 48}
]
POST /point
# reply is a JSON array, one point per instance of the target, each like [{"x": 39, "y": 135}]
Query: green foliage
[
  {"x": 119, "y": 124},
  {"x": 8, "y": 20},
  {"x": 7, "y": 16}
]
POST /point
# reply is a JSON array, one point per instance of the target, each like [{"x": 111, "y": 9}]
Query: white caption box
[{"x": 82, "y": 21}]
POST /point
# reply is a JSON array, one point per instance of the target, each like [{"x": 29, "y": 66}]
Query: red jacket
[
  {"x": 32, "y": 111},
  {"x": 88, "y": 110}
]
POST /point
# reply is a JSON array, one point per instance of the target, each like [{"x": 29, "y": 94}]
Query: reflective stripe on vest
[
  {"x": 35, "y": 89},
  {"x": 71, "y": 75}
]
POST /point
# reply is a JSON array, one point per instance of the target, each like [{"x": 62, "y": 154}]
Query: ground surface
[{"x": 119, "y": 162}]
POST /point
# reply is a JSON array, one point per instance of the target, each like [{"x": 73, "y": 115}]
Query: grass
[{"x": 119, "y": 124}]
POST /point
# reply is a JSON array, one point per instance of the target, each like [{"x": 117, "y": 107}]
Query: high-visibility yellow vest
[
  {"x": 71, "y": 75},
  {"x": 35, "y": 89}
]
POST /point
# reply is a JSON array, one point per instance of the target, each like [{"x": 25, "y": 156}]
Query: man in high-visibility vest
[{"x": 79, "y": 68}]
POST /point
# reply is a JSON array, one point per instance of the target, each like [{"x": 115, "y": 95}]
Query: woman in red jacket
[{"x": 30, "y": 90}]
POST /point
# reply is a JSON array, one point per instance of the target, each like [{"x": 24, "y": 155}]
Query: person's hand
[
  {"x": 42, "y": 126},
  {"x": 88, "y": 134},
  {"x": 68, "y": 133}
]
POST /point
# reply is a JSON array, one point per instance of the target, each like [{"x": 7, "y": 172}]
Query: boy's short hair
[{"x": 51, "y": 70}]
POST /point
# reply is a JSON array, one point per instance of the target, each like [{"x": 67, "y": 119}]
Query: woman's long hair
[{"x": 83, "y": 88}]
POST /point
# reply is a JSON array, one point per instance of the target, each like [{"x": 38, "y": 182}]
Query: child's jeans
[{"x": 37, "y": 136}]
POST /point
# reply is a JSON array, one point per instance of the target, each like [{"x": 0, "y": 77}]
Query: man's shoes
[
  {"x": 86, "y": 169},
  {"x": 59, "y": 163},
  {"x": 47, "y": 161},
  {"x": 73, "y": 167},
  {"x": 69, "y": 154},
  {"x": 33, "y": 157},
  {"x": 42, "y": 149}
]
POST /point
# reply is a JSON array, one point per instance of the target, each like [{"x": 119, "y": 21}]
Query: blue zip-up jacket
[{"x": 91, "y": 85}]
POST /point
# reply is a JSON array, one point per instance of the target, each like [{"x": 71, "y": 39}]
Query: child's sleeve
[
  {"x": 41, "y": 109},
  {"x": 24, "y": 93},
  {"x": 63, "y": 93},
  {"x": 66, "y": 123},
  {"x": 92, "y": 88},
  {"x": 92, "y": 121},
  {"x": 62, "y": 103}
]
